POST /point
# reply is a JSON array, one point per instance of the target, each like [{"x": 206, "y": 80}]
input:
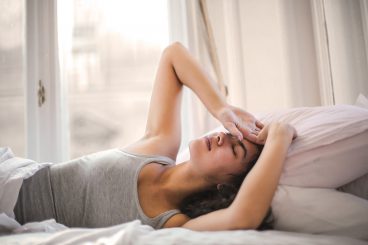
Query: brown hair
[{"x": 213, "y": 199}]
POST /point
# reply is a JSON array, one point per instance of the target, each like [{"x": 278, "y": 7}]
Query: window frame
[{"x": 47, "y": 131}]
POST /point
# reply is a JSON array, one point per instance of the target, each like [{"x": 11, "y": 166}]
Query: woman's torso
[{"x": 96, "y": 190}]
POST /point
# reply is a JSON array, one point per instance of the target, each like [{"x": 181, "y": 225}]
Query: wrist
[
  {"x": 282, "y": 131},
  {"x": 221, "y": 109}
]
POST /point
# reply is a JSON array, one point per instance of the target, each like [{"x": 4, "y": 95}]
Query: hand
[
  {"x": 276, "y": 129},
  {"x": 240, "y": 123}
]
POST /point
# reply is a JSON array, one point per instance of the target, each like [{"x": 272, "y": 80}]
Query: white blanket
[
  {"x": 12, "y": 172},
  {"x": 136, "y": 233}
]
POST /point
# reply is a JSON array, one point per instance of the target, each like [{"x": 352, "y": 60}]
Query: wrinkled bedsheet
[{"x": 136, "y": 233}]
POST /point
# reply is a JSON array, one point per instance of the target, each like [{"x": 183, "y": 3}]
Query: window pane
[
  {"x": 115, "y": 50},
  {"x": 12, "y": 130}
]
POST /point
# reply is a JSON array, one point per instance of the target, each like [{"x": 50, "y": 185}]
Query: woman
[{"x": 141, "y": 181}]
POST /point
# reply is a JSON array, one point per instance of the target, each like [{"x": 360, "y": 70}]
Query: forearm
[
  {"x": 255, "y": 195},
  {"x": 191, "y": 74}
]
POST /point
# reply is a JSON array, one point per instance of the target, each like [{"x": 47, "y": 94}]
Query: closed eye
[
  {"x": 238, "y": 143},
  {"x": 233, "y": 148}
]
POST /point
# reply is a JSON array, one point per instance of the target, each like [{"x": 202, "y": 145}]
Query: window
[
  {"x": 12, "y": 106},
  {"x": 116, "y": 46}
]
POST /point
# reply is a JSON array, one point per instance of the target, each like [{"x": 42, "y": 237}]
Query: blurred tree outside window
[
  {"x": 12, "y": 99},
  {"x": 116, "y": 46}
]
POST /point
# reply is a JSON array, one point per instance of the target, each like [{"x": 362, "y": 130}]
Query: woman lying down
[{"x": 228, "y": 182}]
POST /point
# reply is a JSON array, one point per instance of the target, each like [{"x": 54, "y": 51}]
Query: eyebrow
[
  {"x": 245, "y": 149},
  {"x": 241, "y": 144}
]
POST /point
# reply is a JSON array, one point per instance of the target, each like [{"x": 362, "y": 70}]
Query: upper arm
[
  {"x": 163, "y": 129},
  {"x": 164, "y": 110},
  {"x": 219, "y": 220}
]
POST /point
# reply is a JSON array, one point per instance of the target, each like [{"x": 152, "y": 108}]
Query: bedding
[
  {"x": 320, "y": 211},
  {"x": 136, "y": 233},
  {"x": 297, "y": 210},
  {"x": 331, "y": 140},
  {"x": 330, "y": 152}
]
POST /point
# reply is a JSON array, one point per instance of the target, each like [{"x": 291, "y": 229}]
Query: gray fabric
[
  {"x": 358, "y": 187},
  {"x": 96, "y": 190},
  {"x": 35, "y": 201}
]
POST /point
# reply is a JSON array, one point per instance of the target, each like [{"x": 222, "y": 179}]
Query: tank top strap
[
  {"x": 158, "y": 221},
  {"x": 151, "y": 158}
]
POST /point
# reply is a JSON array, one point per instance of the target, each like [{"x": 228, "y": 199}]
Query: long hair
[{"x": 213, "y": 199}]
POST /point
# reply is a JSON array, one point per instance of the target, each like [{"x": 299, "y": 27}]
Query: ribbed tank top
[{"x": 96, "y": 190}]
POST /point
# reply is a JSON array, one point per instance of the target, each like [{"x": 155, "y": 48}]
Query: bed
[
  {"x": 307, "y": 207},
  {"x": 136, "y": 233}
]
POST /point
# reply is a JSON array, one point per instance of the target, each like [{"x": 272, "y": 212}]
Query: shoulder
[
  {"x": 176, "y": 220},
  {"x": 159, "y": 145}
]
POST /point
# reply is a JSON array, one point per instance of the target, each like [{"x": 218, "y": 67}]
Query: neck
[{"x": 180, "y": 181}]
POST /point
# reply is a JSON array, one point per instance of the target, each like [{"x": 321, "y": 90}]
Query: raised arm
[
  {"x": 163, "y": 131},
  {"x": 256, "y": 192},
  {"x": 239, "y": 122}
]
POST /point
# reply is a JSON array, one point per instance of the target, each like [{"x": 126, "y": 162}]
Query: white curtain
[
  {"x": 187, "y": 17},
  {"x": 278, "y": 54},
  {"x": 341, "y": 32}
]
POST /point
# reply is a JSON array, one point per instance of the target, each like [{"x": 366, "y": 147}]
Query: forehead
[{"x": 251, "y": 148}]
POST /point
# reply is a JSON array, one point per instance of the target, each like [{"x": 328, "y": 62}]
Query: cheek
[
  {"x": 211, "y": 163},
  {"x": 222, "y": 161},
  {"x": 195, "y": 149}
]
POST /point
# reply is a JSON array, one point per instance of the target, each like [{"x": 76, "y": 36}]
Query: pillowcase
[
  {"x": 331, "y": 147},
  {"x": 320, "y": 211}
]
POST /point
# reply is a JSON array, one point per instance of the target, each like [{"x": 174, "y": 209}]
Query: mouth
[{"x": 208, "y": 142}]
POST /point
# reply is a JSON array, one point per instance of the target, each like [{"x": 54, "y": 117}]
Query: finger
[
  {"x": 255, "y": 132},
  {"x": 252, "y": 138},
  {"x": 259, "y": 124},
  {"x": 234, "y": 131}
]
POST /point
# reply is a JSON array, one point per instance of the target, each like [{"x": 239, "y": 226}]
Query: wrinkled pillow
[
  {"x": 331, "y": 149},
  {"x": 320, "y": 211}
]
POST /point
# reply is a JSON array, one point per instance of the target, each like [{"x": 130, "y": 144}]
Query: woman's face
[{"x": 219, "y": 156}]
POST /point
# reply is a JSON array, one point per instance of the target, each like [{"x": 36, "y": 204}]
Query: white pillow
[
  {"x": 330, "y": 151},
  {"x": 328, "y": 166},
  {"x": 331, "y": 148},
  {"x": 320, "y": 211}
]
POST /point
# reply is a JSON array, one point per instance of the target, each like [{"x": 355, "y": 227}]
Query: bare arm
[
  {"x": 163, "y": 130},
  {"x": 255, "y": 195},
  {"x": 239, "y": 122}
]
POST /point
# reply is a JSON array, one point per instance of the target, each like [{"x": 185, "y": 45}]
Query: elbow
[
  {"x": 176, "y": 45},
  {"x": 173, "y": 48}
]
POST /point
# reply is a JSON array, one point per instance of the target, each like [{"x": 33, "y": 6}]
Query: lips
[{"x": 208, "y": 142}]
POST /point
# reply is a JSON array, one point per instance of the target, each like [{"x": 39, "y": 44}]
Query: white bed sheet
[{"x": 136, "y": 233}]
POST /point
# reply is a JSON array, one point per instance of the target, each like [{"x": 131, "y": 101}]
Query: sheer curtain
[
  {"x": 190, "y": 25},
  {"x": 276, "y": 54},
  {"x": 263, "y": 60},
  {"x": 341, "y": 33}
]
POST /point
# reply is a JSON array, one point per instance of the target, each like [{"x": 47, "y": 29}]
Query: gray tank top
[{"x": 96, "y": 190}]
